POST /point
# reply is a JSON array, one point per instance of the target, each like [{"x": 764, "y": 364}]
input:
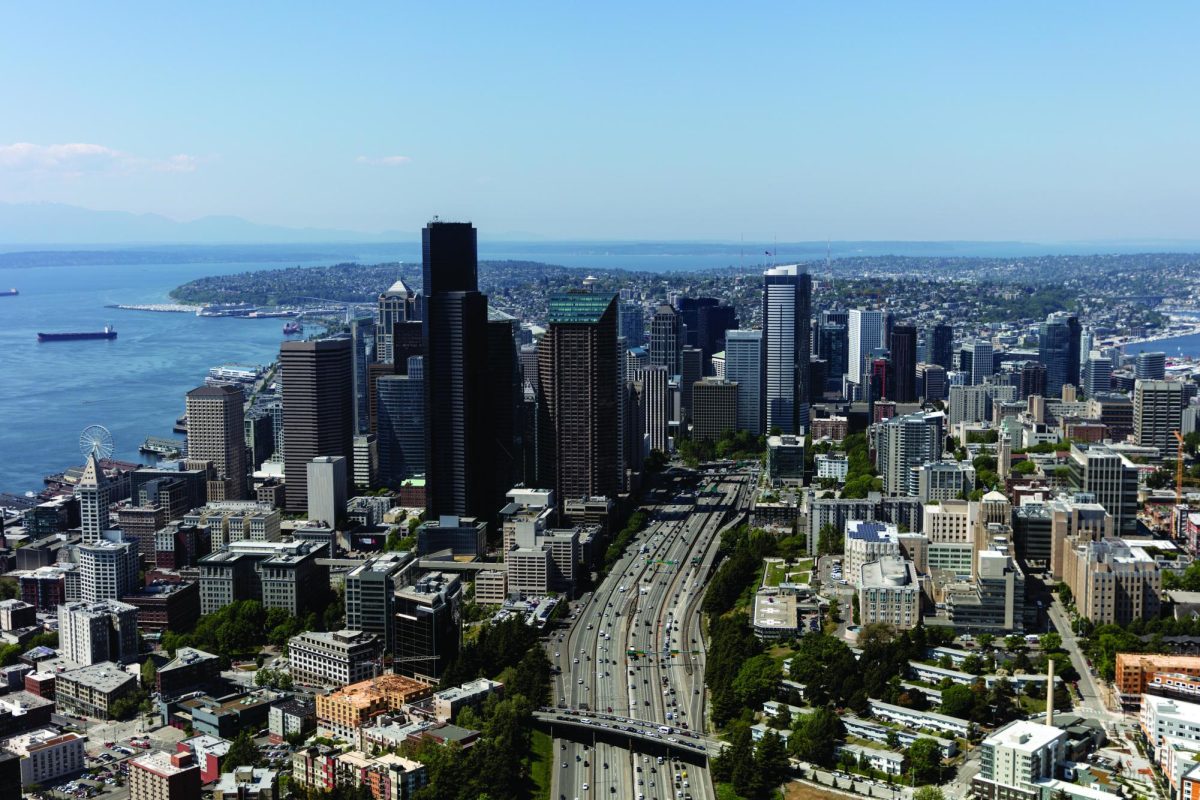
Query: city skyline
[{"x": 942, "y": 123}]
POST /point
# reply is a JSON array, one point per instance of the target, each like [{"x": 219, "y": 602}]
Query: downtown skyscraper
[
  {"x": 1058, "y": 349},
  {"x": 865, "y": 336},
  {"x": 580, "y": 447},
  {"x": 216, "y": 432},
  {"x": 456, "y": 349},
  {"x": 318, "y": 410},
  {"x": 787, "y": 335}
]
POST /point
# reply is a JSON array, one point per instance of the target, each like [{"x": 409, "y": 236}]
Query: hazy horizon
[{"x": 672, "y": 122}]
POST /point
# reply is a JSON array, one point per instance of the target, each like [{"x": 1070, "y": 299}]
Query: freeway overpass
[{"x": 589, "y": 727}]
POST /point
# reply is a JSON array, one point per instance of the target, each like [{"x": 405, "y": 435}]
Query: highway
[{"x": 634, "y": 650}]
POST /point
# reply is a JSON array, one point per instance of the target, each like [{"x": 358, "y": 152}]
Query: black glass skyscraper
[
  {"x": 1058, "y": 349},
  {"x": 941, "y": 345},
  {"x": 456, "y": 350},
  {"x": 904, "y": 363}
]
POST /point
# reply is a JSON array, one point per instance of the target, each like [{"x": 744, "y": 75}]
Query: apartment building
[
  {"x": 164, "y": 776},
  {"x": 1014, "y": 759},
  {"x": 888, "y": 592},
  {"x": 47, "y": 756}
]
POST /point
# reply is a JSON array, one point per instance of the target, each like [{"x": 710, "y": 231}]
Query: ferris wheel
[{"x": 96, "y": 439}]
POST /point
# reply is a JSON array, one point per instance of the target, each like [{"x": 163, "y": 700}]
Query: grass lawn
[
  {"x": 541, "y": 762},
  {"x": 725, "y": 792}
]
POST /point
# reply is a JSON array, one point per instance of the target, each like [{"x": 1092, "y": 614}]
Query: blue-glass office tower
[
  {"x": 1058, "y": 349},
  {"x": 787, "y": 293},
  {"x": 401, "y": 413}
]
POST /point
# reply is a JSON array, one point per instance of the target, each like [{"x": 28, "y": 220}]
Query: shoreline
[{"x": 1193, "y": 330}]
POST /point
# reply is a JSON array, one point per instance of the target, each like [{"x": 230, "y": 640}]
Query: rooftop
[
  {"x": 104, "y": 676},
  {"x": 578, "y": 307},
  {"x": 162, "y": 763},
  {"x": 1024, "y": 735}
]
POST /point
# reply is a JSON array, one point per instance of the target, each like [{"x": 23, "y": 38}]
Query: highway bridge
[{"x": 631, "y": 734}]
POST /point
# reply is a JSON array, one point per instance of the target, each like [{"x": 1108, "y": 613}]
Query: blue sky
[{"x": 1042, "y": 121}]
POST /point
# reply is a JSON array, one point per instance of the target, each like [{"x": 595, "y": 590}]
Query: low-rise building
[
  {"x": 885, "y": 761},
  {"x": 47, "y": 755},
  {"x": 1165, "y": 720},
  {"x": 1134, "y": 672},
  {"x": 832, "y": 466},
  {"x": 22, "y": 711},
  {"x": 166, "y": 604},
  {"x": 880, "y": 733},
  {"x": 334, "y": 658},
  {"x": 464, "y": 536},
  {"x": 448, "y": 702},
  {"x": 775, "y": 615},
  {"x": 189, "y": 670},
  {"x": 225, "y": 716},
  {"x": 16, "y": 614},
  {"x": 921, "y": 720},
  {"x": 315, "y": 767},
  {"x": 291, "y": 717},
  {"x": 208, "y": 752},
  {"x": 247, "y": 783},
  {"x": 785, "y": 459},
  {"x": 91, "y": 691},
  {"x": 491, "y": 587}
]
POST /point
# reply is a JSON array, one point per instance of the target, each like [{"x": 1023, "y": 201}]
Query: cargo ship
[
  {"x": 108, "y": 333},
  {"x": 292, "y": 328},
  {"x": 9, "y": 293}
]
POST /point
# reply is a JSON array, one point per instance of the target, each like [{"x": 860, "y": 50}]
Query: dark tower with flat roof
[
  {"x": 455, "y": 337},
  {"x": 318, "y": 410}
]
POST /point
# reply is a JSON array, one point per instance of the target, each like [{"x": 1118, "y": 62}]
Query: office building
[
  {"x": 91, "y": 632},
  {"x": 691, "y": 369},
  {"x": 235, "y": 521},
  {"x": 994, "y": 602},
  {"x": 216, "y": 432},
  {"x": 1151, "y": 366},
  {"x": 462, "y": 536},
  {"x": 455, "y": 335},
  {"x": 17, "y": 614},
  {"x": 903, "y": 444},
  {"x": 969, "y": 404},
  {"x": 1059, "y": 350},
  {"x": 715, "y": 409},
  {"x": 362, "y": 356},
  {"x": 94, "y": 491},
  {"x": 940, "y": 343},
  {"x": 1109, "y": 477},
  {"x": 1157, "y": 412},
  {"x": 651, "y": 389},
  {"x": 427, "y": 629},
  {"x": 401, "y": 424},
  {"x": 164, "y": 776},
  {"x": 903, "y": 351},
  {"x": 786, "y": 339},
  {"x": 665, "y": 339},
  {"x": 327, "y": 489},
  {"x": 166, "y": 604},
  {"x": 1017, "y": 758},
  {"x": 370, "y": 594},
  {"x": 318, "y": 410},
  {"x": 833, "y": 343},
  {"x": 579, "y": 397},
  {"x": 91, "y": 691},
  {"x": 632, "y": 323},
  {"x": 278, "y": 574},
  {"x": 1096, "y": 377},
  {"x": 931, "y": 382},
  {"x": 785, "y": 459},
  {"x": 864, "y": 337},
  {"x": 396, "y": 305},
  {"x": 1032, "y": 380},
  {"x": 334, "y": 658},
  {"x": 108, "y": 568},
  {"x": 188, "y": 671},
  {"x": 979, "y": 354},
  {"x": 744, "y": 367}
]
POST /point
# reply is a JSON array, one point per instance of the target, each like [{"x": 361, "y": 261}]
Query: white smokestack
[{"x": 1050, "y": 694}]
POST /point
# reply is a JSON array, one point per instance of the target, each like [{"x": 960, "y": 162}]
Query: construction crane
[{"x": 1178, "y": 468}]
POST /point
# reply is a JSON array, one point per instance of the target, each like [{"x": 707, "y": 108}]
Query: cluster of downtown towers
[{"x": 445, "y": 390}]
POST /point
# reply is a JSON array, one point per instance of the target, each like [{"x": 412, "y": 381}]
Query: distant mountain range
[
  {"x": 54, "y": 226},
  {"x": 24, "y": 224}
]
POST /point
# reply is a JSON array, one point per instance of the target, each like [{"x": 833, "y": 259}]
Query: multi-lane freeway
[{"x": 634, "y": 651}]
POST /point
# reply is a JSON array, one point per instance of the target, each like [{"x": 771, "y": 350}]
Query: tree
[
  {"x": 816, "y": 736},
  {"x": 958, "y": 701},
  {"x": 771, "y": 761},
  {"x": 924, "y": 758},
  {"x": 929, "y": 793},
  {"x": 1050, "y": 642},
  {"x": 756, "y": 680},
  {"x": 242, "y": 752},
  {"x": 149, "y": 673}
]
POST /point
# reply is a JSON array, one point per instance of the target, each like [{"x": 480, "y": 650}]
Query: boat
[
  {"x": 9, "y": 293},
  {"x": 109, "y": 332},
  {"x": 292, "y": 328}
]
